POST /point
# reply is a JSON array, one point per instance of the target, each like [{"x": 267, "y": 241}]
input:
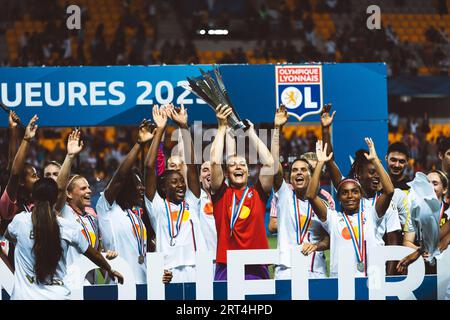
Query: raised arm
[
  {"x": 74, "y": 147},
  {"x": 326, "y": 121},
  {"x": 317, "y": 204},
  {"x": 267, "y": 172},
  {"x": 160, "y": 118},
  {"x": 281, "y": 117},
  {"x": 114, "y": 186},
  {"x": 19, "y": 159},
  {"x": 180, "y": 117},
  {"x": 217, "y": 176},
  {"x": 230, "y": 143},
  {"x": 385, "y": 198},
  {"x": 13, "y": 137}
]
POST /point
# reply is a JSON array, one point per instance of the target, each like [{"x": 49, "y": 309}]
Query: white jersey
[
  {"x": 119, "y": 228},
  {"x": 25, "y": 286},
  {"x": 390, "y": 221},
  {"x": 288, "y": 234},
  {"x": 340, "y": 237},
  {"x": 87, "y": 224},
  {"x": 400, "y": 199},
  {"x": 188, "y": 237},
  {"x": 207, "y": 221}
]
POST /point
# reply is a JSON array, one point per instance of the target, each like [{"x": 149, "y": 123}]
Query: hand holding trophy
[{"x": 215, "y": 94}]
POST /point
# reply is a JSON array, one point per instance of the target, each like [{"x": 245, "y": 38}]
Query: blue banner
[{"x": 113, "y": 96}]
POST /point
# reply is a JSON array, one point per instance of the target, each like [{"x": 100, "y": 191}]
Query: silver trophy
[{"x": 214, "y": 94}]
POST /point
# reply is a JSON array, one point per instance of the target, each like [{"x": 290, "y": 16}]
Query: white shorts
[{"x": 284, "y": 273}]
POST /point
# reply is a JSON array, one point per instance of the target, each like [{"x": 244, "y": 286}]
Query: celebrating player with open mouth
[
  {"x": 298, "y": 225},
  {"x": 239, "y": 210},
  {"x": 353, "y": 228},
  {"x": 172, "y": 206}
]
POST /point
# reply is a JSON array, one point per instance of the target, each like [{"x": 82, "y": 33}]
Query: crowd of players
[{"x": 179, "y": 207}]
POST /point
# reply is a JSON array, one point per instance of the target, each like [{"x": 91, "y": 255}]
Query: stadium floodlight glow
[{"x": 218, "y": 32}]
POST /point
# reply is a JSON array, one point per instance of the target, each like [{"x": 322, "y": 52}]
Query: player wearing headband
[
  {"x": 239, "y": 210},
  {"x": 172, "y": 206},
  {"x": 353, "y": 228},
  {"x": 388, "y": 229},
  {"x": 297, "y": 223},
  {"x": 120, "y": 211},
  {"x": 77, "y": 198}
]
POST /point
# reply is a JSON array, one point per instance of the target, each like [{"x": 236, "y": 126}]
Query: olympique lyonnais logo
[{"x": 299, "y": 88}]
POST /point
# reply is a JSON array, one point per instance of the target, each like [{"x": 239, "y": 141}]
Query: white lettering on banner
[
  {"x": 76, "y": 273},
  {"x": 119, "y": 94},
  {"x": 346, "y": 279},
  {"x": 5, "y": 96},
  {"x": 159, "y": 92},
  {"x": 30, "y": 94},
  {"x": 299, "y": 275},
  {"x": 48, "y": 94},
  {"x": 182, "y": 97},
  {"x": 204, "y": 287},
  {"x": 77, "y": 94},
  {"x": 379, "y": 289},
  {"x": 142, "y": 99},
  {"x": 238, "y": 287},
  {"x": 96, "y": 92},
  {"x": 155, "y": 271}
]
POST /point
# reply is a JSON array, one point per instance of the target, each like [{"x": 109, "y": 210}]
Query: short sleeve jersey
[
  {"x": 249, "y": 230},
  {"x": 25, "y": 285}
]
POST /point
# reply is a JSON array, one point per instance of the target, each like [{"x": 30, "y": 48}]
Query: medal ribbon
[
  {"x": 85, "y": 228},
  {"x": 174, "y": 230},
  {"x": 375, "y": 198},
  {"x": 236, "y": 211},
  {"x": 299, "y": 230},
  {"x": 358, "y": 246},
  {"x": 139, "y": 236}
]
